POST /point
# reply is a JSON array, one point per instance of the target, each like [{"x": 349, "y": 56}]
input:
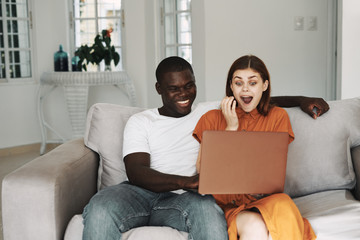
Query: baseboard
[{"x": 5, "y": 152}]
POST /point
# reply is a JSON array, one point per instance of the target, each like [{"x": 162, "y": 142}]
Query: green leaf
[
  {"x": 116, "y": 58},
  {"x": 103, "y": 33},
  {"x": 99, "y": 51}
]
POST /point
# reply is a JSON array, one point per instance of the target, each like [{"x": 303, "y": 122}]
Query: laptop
[{"x": 243, "y": 162}]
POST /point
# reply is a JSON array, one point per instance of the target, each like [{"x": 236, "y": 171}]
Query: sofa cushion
[
  {"x": 333, "y": 214},
  {"x": 104, "y": 135},
  {"x": 355, "y": 155},
  {"x": 75, "y": 229},
  {"x": 319, "y": 158}
]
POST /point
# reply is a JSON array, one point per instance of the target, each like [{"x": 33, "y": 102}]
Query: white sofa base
[
  {"x": 331, "y": 214},
  {"x": 75, "y": 228}
]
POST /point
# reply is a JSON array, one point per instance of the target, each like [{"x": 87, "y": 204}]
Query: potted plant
[{"x": 99, "y": 51}]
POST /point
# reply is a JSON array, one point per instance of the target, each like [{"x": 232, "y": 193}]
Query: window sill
[{"x": 28, "y": 81}]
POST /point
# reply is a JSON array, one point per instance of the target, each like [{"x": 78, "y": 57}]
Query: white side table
[{"x": 76, "y": 87}]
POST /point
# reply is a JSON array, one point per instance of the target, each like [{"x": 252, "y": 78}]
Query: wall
[
  {"x": 297, "y": 60},
  {"x": 349, "y": 49},
  {"x": 18, "y": 116},
  {"x": 18, "y": 109},
  {"x": 219, "y": 36}
]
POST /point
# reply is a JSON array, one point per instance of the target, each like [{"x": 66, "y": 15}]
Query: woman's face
[{"x": 248, "y": 87}]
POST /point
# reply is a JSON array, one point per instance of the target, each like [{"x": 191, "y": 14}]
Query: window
[
  {"x": 176, "y": 23},
  {"x": 15, "y": 52},
  {"x": 90, "y": 17}
]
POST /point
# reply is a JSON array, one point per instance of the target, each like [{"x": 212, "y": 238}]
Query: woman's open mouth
[{"x": 246, "y": 99}]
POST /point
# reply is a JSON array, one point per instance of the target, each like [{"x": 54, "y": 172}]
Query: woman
[{"x": 247, "y": 107}]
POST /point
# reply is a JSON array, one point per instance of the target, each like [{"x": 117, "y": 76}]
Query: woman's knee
[
  {"x": 251, "y": 223},
  {"x": 250, "y": 219}
]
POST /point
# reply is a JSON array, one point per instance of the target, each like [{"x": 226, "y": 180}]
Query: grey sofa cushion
[
  {"x": 319, "y": 158},
  {"x": 104, "y": 135}
]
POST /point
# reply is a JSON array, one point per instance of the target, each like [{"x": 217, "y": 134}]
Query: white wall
[
  {"x": 349, "y": 49},
  {"x": 199, "y": 27},
  {"x": 18, "y": 112},
  {"x": 219, "y": 36},
  {"x": 18, "y": 118},
  {"x": 297, "y": 60}
]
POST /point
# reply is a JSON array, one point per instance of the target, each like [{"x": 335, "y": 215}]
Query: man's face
[{"x": 178, "y": 92}]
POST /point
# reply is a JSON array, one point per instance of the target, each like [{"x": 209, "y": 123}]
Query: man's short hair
[{"x": 172, "y": 64}]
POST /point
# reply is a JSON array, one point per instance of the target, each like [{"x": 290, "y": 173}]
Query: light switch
[
  {"x": 312, "y": 23},
  {"x": 299, "y": 23}
]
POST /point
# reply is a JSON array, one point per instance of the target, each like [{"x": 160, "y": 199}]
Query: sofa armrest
[
  {"x": 355, "y": 155},
  {"x": 40, "y": 198}
]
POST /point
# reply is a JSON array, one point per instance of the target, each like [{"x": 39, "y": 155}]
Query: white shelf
[{"x": 76, "y": 86}]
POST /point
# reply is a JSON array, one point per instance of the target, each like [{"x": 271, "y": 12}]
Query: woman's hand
[{"x": 228, "y": 105}]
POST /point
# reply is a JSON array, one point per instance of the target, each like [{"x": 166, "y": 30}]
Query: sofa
[{"x": 44, "y": 199}]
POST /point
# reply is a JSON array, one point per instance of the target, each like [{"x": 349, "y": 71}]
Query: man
[{"x": 160, "y": 156}]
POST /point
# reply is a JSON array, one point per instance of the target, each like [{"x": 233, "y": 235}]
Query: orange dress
[{"x": 281, "y": 215}]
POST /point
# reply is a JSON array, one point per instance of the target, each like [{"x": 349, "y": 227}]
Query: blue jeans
[{"x": 119, "y": 208}]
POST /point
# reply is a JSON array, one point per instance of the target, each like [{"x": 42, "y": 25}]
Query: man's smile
[{"x": 184, "y": 102}]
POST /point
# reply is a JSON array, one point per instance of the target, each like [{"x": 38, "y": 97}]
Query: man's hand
[
  {"x": 140, "y": 174},
  {"x": 315, "y": 107},
  {"x": 307, "y": 104},
  {"x": 191, "y": 182}
]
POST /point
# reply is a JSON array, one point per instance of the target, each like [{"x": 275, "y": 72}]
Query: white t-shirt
[{"x": 168, "y": 140}]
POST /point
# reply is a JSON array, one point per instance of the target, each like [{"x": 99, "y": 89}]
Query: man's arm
[
  {"x": 307, "y": 104},
  {"x": 140, "y": 174}
]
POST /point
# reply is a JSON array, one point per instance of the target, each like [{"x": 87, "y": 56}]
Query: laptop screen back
[{"x": 243, "y": 162}]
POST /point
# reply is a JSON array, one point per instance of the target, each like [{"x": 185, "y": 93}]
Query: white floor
[{"x": 9, "y": 164}]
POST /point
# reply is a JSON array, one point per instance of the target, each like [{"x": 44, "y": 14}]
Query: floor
[{"x": 9, "y": 164}]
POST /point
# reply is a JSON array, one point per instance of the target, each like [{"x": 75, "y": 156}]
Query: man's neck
[{"x": 167, "y": 113}]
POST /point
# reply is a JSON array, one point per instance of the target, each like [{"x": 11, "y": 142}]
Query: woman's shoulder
[
  {"x": 277, "y": 111},
  {"x": 211, "y": 116},
  {"x": 213, "y": 113}
]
